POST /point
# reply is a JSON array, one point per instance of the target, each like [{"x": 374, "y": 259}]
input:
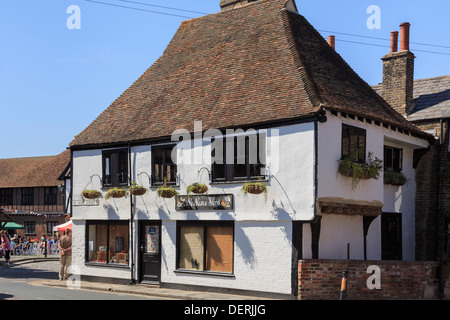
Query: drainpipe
[{"x": 132, "y": 280}]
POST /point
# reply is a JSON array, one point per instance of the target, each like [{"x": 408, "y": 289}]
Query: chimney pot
[
  {"x": 404, "y": 36},
  {"x": 394, "y": 41},
  {"x": 331, "y": 41}
]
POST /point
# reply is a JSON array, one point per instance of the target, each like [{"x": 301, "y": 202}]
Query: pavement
[{"x": 51, "y": 263}]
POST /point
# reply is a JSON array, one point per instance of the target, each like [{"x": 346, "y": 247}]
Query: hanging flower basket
[
  {"x": 358, "y": 171},
  {"x": 395, "y": 178},
  {"x": 116, "y": 193},
  {"x": 91, "y": 194},
  {"x": 197, "y": 188},
  {"x": 254, "y": 188},
  {"x": 166, "y": 192},
  {"x": 137, "y": 190}
]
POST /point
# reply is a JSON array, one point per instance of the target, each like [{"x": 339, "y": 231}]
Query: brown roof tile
[
  {"x": 33, "y": 172},
  {"x": 256, "y": 64}
]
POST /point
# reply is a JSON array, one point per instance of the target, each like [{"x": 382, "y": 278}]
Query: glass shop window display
[{"x": 108, "y": 243}]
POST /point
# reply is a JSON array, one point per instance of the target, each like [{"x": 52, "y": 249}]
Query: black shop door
[{"x": 150, "y": 252}]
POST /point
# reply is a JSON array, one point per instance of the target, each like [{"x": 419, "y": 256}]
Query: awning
[
  {"x": 13, "y": 226},
  {"x": 64, "y": 226}
]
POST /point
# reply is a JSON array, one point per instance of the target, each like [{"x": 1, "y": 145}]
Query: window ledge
[
  {"x": 155, "y": 187},
  {"x": 106, "y": 265},
  {"x": 238, "y": 182},
  {"x": 205, "y": 273}
]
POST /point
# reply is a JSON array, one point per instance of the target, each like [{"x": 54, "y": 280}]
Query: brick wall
[
  {"x": 432, "y": 197},
  {"x": 321, "y": 279}
]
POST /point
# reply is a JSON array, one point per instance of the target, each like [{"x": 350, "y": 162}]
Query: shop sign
[
  {"x": 219, "y": 202},
  {"x": 86, "y": 202}
]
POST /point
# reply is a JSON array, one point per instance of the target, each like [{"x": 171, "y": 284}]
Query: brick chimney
[
  {"x": 231, "y": 4},
  {"x": 398, "y": 72},
  {"x": 332, "y": 41}
]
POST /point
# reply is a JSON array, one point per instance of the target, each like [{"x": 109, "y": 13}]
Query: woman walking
[{"x": 6, "y": 245}]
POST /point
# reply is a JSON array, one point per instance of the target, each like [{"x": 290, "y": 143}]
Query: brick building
[
  {"x": 32, "y": 192},
  {"x": 426, "y": 103}
]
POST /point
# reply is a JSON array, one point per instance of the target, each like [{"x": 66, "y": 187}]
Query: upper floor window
[
  {"x": 50, "y": 195},
  {"x": 27, "y": 196},
  {"x": 115, "y": 168},
  {"x": 353, "y": 143},
  {"x": 239, "y": 158},
  {"x": 393, "y": 158},
  {"x": 6, "y": 197},
  {"x": 164, "y": 168}
]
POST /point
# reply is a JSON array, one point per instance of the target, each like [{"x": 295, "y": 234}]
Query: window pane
[
  {"x": 123, "y": 168},
  {"x": 191, "y": 248},
  {"x": 152, "y": 239},
  {"x": 218, "y": 158},
  {"x": 388, "y": 165},
  {"x": 107, "y": 170},
  {"x": 118, "y": 244},
  {"x": 361, "y": 147},
  {"x": 157, "y": 173},
  {"x": 397, "y": 159},
  {"x": 163, "y": 166},
  {"x": 27, "y": 196},
  {"x": 353, "y": 145},
  {"x": 98, "y": 243},
  {"x": 345, "y": 142},
  {"x": 219, "y": 249}
]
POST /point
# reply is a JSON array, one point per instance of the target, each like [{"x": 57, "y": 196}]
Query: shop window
[
  {"x": 115, "y": 168},
  {"x": 27, "y": 196},
  {"x": 108, "y": 243},
  {"x": 206, "y": 247},
  {"x": 239, "y": 158},
  {"x": 353, "y": 143},
  {"x": 164, "y": 166},
  {"x": 6, "y": 196},
  {"x": 50, "y": 195},
  {"x": 393, "y": 159}
]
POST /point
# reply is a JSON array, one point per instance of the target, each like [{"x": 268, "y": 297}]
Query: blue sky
[{"x": 55, "y": 81}]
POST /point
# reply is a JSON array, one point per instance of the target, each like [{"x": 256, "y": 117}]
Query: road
[{"x": 23, "y": 282}]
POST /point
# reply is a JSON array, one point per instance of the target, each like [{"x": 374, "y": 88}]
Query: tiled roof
[
  {"x": 256, "y": 64},
  {"x": 431, "y": 98},
  {"x": 33, "y": 172}
]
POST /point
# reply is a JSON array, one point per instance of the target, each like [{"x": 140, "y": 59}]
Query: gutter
[{"x": 132, "y": 280}]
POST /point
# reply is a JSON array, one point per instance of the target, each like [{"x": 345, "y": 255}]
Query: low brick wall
[{"x": 321, "y": 279}]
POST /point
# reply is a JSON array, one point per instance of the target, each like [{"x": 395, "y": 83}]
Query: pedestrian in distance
[
  {"x": 65, "y": 248},
  {"x": 6, "y": 245}
]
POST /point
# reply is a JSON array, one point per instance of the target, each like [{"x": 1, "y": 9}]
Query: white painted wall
[
  {"x": 263, "y": 228},
  {"x": 338, "y": 230}
]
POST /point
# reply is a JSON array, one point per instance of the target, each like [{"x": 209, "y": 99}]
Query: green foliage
[
  {"x": 357, "y": 171},
  {"x": 136, "y": 189},
  {"x": 395, "y": 178},
  {"x": 165, "y": 191},
  {"x": 116, "y": 193},
  {"x": 254, "y": 188},
  {"x": 197, "y": 188},
  {"x": 91, "y": 194}
]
